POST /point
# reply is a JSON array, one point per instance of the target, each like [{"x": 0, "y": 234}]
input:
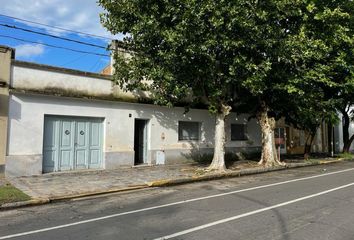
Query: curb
[
  {"x": 167, "y": 182},
  {"x": 258, "y": 170},
  {"x": 214, "y": 176},
  {"x": 32, "y": 202},
  {"x": 333, "y": 161},
  {"x": 41, "y": 201},
  {"x": 96, "y": 193}
]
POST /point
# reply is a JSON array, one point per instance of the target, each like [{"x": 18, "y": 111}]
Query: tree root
[
  {"x": 216, "y": 168},
  {"x": 271, "y": 164}
]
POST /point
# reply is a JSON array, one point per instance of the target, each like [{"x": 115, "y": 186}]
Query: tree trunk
[
  {"x": 308, "y": 145},
  {"x": 345, "y": 128},
  {"x": 269, "y": 153},
  {"x": 218, "y": 162},
  {"x": 347, "y": 144}
]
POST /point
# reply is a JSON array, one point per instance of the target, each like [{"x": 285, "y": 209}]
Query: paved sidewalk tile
[
  {"x": 3, "y": 181},
  {"x": 66, "y": 184},
  {"x": 55, "y": 185}
]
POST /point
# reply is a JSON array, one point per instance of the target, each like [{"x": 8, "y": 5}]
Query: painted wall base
[
  {"x": 118, "y": 159},
  {"x": 29, "y": 165},
  {"x": 175, "y": 156},
  {"x": 23, "y": 165}
]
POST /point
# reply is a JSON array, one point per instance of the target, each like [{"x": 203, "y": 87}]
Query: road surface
[{"x": 304, "y": 203}]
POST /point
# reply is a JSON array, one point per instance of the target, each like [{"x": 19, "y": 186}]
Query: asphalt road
[{"x": 304, "y": 203}]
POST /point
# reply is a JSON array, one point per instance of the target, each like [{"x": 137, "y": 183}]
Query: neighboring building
[
  {"x": 107, "y": 70},
  {"x": 62, "y": 119},
  {"x": 295, "y": 139}
]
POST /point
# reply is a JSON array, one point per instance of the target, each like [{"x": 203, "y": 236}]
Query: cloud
[
  {"x": 79, "y": 15},
  {"x": 29, "y": 50}
]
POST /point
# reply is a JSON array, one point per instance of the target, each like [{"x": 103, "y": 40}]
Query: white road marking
[
  {"x": 194, "y": 229},
  {"x": 166, "y": 205}
]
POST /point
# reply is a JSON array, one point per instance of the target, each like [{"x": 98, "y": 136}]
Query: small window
[
  {"x": 238, "y": 132},
  {"x": 188, "y": 130}
]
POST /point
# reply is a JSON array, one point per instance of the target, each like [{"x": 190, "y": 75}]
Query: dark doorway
[{"x": 140, "y": 141}]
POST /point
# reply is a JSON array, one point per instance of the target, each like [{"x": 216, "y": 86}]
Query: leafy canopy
[
  {"x": 206, "y": 49},
  {"x": 275, "y": 53},
  {"x": 324, "y": 80}
]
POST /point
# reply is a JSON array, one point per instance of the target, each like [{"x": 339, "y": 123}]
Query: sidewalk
[
  {"x": 66, "y": 185},
  {"x": 54, "y": 186}
]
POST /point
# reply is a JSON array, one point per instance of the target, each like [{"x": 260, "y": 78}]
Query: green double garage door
[{"x": 72, "y": 143}]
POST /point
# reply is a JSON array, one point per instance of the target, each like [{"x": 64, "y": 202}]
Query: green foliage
[
  {"x": 322, "y": 65},
  {"x": 190, "y": 49},
  {"x": 230, "y": 157},
  {"x": 346, "y": 155},
  {"x": 293, "y": 57},
  {"x": 325, "y": 73},
  {"x": 9, "y": 194},
  {"x": 209, "y": 51}
]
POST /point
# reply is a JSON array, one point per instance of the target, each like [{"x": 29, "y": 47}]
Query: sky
[{"x": 77, "y": 15}]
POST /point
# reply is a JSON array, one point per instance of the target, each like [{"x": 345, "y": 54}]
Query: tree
[
  {"x": 206, "y": 51},
  {"x": 301, "y": 57},
  {"x": 188, "y": 50},
  {"x": 329, "y": 64},
  {"x": 221, "y": 53},
  {"x": 271, "y": 64},
  {"x": 347, "y": 114},
  {"x": 320, "y": 66}
]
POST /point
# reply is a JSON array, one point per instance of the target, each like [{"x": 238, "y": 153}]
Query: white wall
[
  {"x": 29, "y": 78},
  {"x": 63, "y": 82},
  {"x": 27, "y": 110},
  {"x": 27, "y": 118}
]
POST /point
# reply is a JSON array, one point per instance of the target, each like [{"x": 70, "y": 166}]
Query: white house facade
[
  {"x": 57, "y": 119},
  {"x": 61, "y": 119}
]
